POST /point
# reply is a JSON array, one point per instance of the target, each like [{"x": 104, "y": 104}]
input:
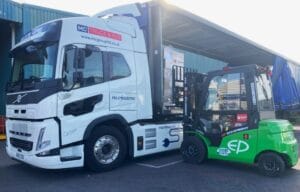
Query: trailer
[
  {"x": 92, "y": 91},
  {"x": 286, "y": 88}
]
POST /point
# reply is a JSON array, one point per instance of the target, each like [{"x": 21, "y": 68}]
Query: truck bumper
[
  {"x": 48, "y": 162},
  {"x": 31, "y": 142}
]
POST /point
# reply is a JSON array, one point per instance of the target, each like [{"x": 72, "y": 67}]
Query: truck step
[{"x": 70, "y": 158}]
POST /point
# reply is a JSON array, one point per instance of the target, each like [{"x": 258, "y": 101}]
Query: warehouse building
[{"x": 16, "y": 20}]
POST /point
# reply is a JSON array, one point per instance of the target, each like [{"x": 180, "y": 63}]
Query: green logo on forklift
[{"x": 237, "y": 146}]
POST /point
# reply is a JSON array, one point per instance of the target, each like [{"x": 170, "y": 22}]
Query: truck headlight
[{"x": 40, "y": 143}]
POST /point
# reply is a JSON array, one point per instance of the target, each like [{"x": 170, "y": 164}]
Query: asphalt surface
[{"x": 162, "y": 172}]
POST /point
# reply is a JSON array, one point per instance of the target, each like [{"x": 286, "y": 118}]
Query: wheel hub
[
  {"x": 192, "y": 150},
  {"x": 106, "y": 149},
  {"x": 270, "y": 165}
]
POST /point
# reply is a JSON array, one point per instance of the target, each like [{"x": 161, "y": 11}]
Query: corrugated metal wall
[
  {"x": 5, "y": 66},
  {"x": 24, "y": 17},
  {"x": 11, "y": 11},
  {"x": 34, "y": 16}
]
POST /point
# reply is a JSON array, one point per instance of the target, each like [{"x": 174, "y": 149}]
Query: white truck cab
[{"x": 82, "y": 93}]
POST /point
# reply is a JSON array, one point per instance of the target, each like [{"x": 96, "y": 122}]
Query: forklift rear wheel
[
  {"x": 271, "y": 164},
  {"x": 193, "y": 150}
]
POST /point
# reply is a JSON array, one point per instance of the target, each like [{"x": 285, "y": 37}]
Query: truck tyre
[
  {"x": 105, "y": 149},
  {"x": 193, "y": 150},
  {"x": 271, "y": 164}
]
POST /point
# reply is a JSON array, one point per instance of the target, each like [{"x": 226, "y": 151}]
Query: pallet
[{"x": 2, "y": 137}]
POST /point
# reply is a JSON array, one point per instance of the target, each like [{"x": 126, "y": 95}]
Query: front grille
[{"x": 21, "y": 144}]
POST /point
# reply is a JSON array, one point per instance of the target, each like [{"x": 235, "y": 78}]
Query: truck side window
[
  {"x": 92, "y": 72},
  {"x": 118, "y": 66},
  {"x": 227, "y": 92},
  {"x": 93, "y": 68}
]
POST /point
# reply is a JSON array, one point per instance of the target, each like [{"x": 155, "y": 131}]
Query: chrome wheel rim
[{"x": 106, "y": 149}]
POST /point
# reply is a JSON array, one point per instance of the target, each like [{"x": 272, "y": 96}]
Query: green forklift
[{"x": 230, "y": 115}]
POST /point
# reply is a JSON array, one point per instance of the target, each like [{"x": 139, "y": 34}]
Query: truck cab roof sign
[{"x": 99, "y": 32}]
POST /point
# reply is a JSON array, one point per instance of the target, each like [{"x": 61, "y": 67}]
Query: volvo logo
[{"x": 19, "y": 98}]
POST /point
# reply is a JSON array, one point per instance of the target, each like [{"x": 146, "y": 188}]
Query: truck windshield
[
  {"x": 34, "y": 63},
  {"x": 264, "y": 93}
]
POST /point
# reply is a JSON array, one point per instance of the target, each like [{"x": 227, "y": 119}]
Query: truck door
[
  {"x": 122, "y": 82},
  {"x": 226, "y": 116},
  {"x": 85, "y": 94}
]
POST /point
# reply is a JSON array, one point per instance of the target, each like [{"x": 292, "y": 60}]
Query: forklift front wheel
[
  {"x": 271, "y": 164},
  {"x": 193, "y": 150}
]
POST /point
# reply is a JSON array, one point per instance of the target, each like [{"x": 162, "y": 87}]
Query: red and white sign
[
  {"x": 242, "y": 117},
  {"x": 99, "y": 32},
  {"x": 104, "y": 33}
]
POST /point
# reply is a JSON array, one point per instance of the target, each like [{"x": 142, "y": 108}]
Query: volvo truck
[{"x": 88, "y": 91}]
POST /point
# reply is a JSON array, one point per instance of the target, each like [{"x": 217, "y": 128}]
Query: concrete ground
[{"x": 163, "y": 172}]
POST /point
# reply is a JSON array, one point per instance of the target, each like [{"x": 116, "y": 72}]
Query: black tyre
[
  {"x": 105, "y": 149},
  {"x": 193, "y": 150},
  {"x": 271, "y": 164}
]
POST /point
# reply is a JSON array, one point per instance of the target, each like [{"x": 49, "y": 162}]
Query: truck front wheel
[
  {"x": 105, "y": 149},
  {"x": 271, "y": 164},
  {"x": 193, "y": 150}
]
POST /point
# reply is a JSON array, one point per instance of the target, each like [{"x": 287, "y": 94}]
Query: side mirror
[{"x": 77, "y": 77}]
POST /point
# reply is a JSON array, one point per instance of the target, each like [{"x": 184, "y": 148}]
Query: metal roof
[
  {"x": 35, "y": 15},
  {"x": 10, "y": 11},
  {"x": 188, "y": 31},
  {"x": 29, "y": 15}
]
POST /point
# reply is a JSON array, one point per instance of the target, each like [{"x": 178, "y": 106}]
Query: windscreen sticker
[{"x": 99, "y": 32}]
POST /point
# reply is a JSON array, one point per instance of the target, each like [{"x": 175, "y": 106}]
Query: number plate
[{"x": 20, "y": 156}]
